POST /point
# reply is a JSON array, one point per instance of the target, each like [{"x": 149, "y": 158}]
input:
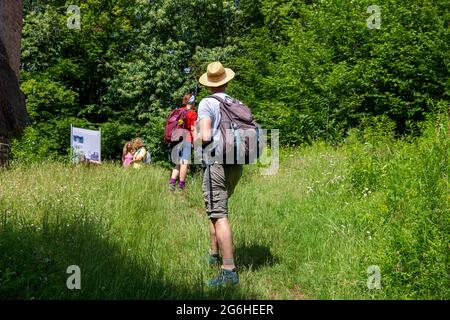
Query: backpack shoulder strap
[
  {"x": 222, "y": 105},
  {"x": 185, "y": 112},
  {"x": 217, "y": 98}
]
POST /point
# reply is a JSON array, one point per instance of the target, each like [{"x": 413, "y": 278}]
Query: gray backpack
[
  {"x": 148, "y": 157},
  {"x": 241, "y": 138}
]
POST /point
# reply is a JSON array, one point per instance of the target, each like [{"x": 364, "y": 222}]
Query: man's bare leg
[
  {"x": 214, "y": 248},
  {"x": 225, "y": 240}
]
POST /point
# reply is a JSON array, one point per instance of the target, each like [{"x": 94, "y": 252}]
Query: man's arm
[
  {"x": 205, "y": 130},
  {"x": 204, "y": 122}
]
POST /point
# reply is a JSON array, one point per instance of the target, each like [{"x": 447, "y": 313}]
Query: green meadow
[{"x": 309, "y": 232}]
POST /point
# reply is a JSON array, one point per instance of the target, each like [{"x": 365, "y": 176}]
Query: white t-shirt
[{"x": 210, "y": 108}]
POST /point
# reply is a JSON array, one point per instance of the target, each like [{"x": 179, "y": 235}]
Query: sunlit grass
[{"x": 309, "y": 232}]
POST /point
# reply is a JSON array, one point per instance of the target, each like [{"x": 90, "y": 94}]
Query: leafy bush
[
  {"x": 48, "y": 140},
  {"x": 410, "y": 230},
  {"x": 312, "y": 69}
]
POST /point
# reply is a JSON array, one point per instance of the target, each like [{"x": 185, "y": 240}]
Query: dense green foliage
[
  {"x": 311, "y": 231},
  {"x": 370, "y": 108},
  {"x": 313, "y": 69}
]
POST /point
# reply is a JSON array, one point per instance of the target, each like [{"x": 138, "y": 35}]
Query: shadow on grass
[
  {"x": 34, "y": 260},
  {"x": 254, "y": 256}
]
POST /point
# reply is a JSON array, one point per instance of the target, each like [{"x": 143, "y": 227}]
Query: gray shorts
[{"x": 221, "y": 179}]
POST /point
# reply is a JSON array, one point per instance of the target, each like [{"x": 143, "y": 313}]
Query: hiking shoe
[
  {"x": 172, "y": 187},
  {"x": 225, "y": 278}
]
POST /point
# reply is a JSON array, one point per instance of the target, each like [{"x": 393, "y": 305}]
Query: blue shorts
[{"x": 184, "y": 152}]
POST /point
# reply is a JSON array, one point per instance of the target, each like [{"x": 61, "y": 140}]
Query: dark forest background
[{"x": 313, "y": 69}]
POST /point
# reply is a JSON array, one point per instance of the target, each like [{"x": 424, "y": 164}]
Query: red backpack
[{"x": 176, "y": 125}]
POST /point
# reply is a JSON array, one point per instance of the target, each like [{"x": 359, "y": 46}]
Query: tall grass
[{"x": 309, "y": 232}]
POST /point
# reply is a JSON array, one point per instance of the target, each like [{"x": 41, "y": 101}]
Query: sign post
[{"x": 85, "y": 145}]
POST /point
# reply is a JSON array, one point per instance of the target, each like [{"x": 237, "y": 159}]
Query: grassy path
[{"x": 301, "y": 234}]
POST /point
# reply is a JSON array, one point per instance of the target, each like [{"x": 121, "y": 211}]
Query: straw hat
[{"x": 216, "y": 75}]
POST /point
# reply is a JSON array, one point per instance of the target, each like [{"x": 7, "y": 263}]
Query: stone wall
[
  {"x": 11, "y": 20},
  {"x": 4, "y": 150},
  {"x": 13, "y": 115}
]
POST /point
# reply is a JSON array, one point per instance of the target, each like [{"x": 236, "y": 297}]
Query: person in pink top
[{"x": 128, "y": 154}]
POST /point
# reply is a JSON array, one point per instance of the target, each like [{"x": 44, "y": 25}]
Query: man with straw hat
[{"x": 219, "y": 179}]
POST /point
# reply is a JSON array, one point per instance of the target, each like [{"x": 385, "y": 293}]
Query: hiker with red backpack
[
  {"x": 229, "y": 138},
  {"x": 180, "y": 135}
]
